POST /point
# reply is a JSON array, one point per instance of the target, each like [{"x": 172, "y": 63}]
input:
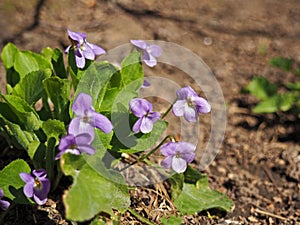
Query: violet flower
[
  {"x": 83, "y": 49},
  {"x": 37, "y": 185},
  {"x": 76, "y": 145},
  {"x": 146, "y": 84},
  {"x": 189, "y": 104},
  {"x": 3, "y": 204},
  {"x": 150, "y": 52},
  {"x": 143, "y": 109},
  {"x": 87, "y": 118},
  {"x": 178, "y": 154}
]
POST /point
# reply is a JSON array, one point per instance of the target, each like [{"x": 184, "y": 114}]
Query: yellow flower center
[{"x": 37, "y": 184}]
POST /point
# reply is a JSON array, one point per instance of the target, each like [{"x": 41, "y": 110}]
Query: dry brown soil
[{"x": 258, "y": 164}]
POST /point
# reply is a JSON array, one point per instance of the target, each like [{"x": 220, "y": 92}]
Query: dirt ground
[{"x": 258, "y": 164}]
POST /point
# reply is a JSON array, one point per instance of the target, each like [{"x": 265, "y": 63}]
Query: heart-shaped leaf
[
  {"x": 199, "y": 197},
  {"x": 10, "y": 181},
  {"x": 92, "y": 193}
]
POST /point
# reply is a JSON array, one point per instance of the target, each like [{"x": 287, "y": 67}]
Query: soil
[{"x": 258, "y": 164}]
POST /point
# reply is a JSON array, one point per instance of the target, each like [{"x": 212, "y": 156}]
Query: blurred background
[{"x": 258, "y": 165}]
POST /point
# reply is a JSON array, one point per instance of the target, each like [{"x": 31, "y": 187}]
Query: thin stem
[
  {"x": 148, "y": 154},
  {"x": 168, "y": 110}
]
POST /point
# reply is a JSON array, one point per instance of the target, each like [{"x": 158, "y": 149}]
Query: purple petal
[
  {"x": 96, "y": 49},
  {"x": 140, "y": 107},
  {"x": 83, "y": 139},
  {"x": 186, "y": 146},
  {"x": 1, "y": 193},
  {"x": 26, "y": 177},
  {"x": 4, "y": 205},
  {"x": 179, "y": 107},
  {"x": 102, "y": 123},
  {"x": 146, "y": 56},
  {"x": 137, "y": 125},
  {"x": 139, "y": 43},
  {"x": 66, "y": 141},
  {"x": 78, "y": 126},
  {"x": 190, "y": 114},
  {"x": 153, "y": 116},
  {"x": 82, "y": 104},
  {"x": 149, "y": 60},
  {"x": 87, "y": 149},
  {"x": 78, "y": 52},
  {"x": 40, "y": 197},
  {"x": 179, "y": 165},
  {"x": 188, "y": 156},
  {"x": 202, "y": 105},
  {"x": 146, "y": 125},
  {"x": 28, "y": 189},
  {"x": 146, "y": 84},
  {"x": 88, "y": 52},
  {"x": 187, "y": 151},
  {"x": 41, "y": 173},
  {"x": 183, "y": 93},
  {"x": 168, "y": 149},
  {"x": 57, "y": 157},
  {"x": 39, "y": 200},
  {"x": 68, "y": 49},
  {"x": 77, "y": 36},
  {"x": 155, "y": 50},
  {"x": 167, "y": 162},
  {"x": 80, "y": 61}
]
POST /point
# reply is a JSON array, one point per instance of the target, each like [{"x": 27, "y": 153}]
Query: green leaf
[
  {"x": 10, "y": 181},
  {"x": 94, "y": 81},
  {"x": 19, "y": 136},
  {"x": 293, "y": 86},
  {"x": 94, "y": 194},
  {"x": 177, "y": 181},
  {"x": 12, "y": 78},
  {"x": 37, "y": 153},
  {"x": 172, "y": 220},
  {"x": 58, "y": 90},
  {"x": 269, "y": 105},
  {"x": 49, "y": 158},
  {"x": 33, "y": 147},
  {"x": 26, "y": 114},
  {"x": 57, "y": 60},
  {"x": 124, "y": 139},
  {"x": 98, "y": 221},
  {"x": 192, "y": 176},
  {"x": 282, "y": 63},
  {"x": 75, "y": 72},
  {"x": 71, "y": 164},
  {"x": 132, "y": 70},
  {"x": 109, "y": 99},
  {"x": 129, "y": 143},
  {"x": 261, "y": 88},
  {"x": 53, "y": 128},
  {"x": 199, "y": 197},
  {"x": 27, "y": 62},
  {"x": 287, "y": 101},
  {"x": 30, "y": 88},
  {"x": 8, "y": 55}
]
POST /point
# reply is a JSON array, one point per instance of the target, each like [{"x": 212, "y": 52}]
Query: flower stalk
[{"x": 145, "y": 156}]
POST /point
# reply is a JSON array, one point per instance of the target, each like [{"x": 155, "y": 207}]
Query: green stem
[
  {"x": 140, "y": 159},
  {"x": 50, "y": 154},
  {"x": 139, "y": 217},
  {"x": 168, "y": 110}
]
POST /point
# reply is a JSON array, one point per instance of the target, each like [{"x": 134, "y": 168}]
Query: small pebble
[{"x": 207, "y": 41}]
